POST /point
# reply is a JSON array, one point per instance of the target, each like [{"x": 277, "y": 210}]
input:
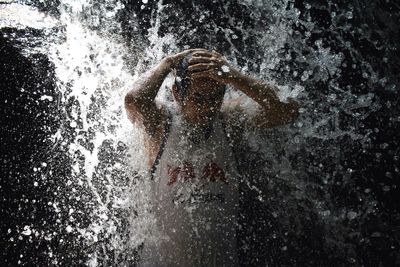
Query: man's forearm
[
  {"x": 276, "y": 112},
  {"x": 148, "y": 85},
  {"x": 260, "y": 92}
]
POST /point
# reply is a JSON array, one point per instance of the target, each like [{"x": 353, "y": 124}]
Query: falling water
[{"x": 308, "y": 182}]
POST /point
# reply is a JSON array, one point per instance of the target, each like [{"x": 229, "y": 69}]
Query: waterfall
[{"x": 321, "y": 189}]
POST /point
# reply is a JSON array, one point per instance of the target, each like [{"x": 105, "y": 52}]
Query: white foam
[{"x": 21, "y": 16}]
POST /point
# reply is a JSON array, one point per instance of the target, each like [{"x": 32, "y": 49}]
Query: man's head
[{"x": 200, "y": 98}]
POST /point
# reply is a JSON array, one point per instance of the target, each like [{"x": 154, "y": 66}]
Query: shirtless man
[{"x": 195, "y": 175}]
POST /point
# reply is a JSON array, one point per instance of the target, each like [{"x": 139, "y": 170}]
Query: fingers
[
  {"x": 203, "y": 74},
  {"x": 200, "y": 59},
  {"x": 207, "y": 53},
  {"x": 194, "y": 50},
  {"x": 211, "y": 74},
  {"x": 202, "y": 54},
  {"x": 195, "y": 60},
  {"x": 216, "y": 54},
  {"x": 201, "y": 67},
  {"x": 188, "y": 51},
  {"x": 199, "y": 55}
]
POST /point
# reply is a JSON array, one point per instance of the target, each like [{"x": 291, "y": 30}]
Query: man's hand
[
  {"x": 205, "y": 64},
  {"x": 174, "y": 59}
]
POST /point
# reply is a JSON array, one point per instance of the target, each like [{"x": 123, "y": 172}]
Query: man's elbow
[
  {"x": 290, "y": 113},
  {"x": 132, "y": 101},
  {"x": 293, "y": 111},
  {"x": 132, "y": 107},
  {"x": 129, "y": 101},
  {"x": 281, "y": 116}
]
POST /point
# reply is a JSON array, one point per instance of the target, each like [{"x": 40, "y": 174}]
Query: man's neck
[{"x": 199, "y": 130}]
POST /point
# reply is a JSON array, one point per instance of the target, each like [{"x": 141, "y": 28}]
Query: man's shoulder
[
  {"x": 239, "y": 112},
  {"x": 234, "y": 123}
]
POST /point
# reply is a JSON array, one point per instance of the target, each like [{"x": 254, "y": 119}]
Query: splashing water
[{"x": 294, "y": 172}]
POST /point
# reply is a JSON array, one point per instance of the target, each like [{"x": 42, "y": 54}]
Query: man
[{"x": 195, "y": 176}]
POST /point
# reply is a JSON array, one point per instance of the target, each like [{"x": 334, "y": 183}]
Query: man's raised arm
[
  {"x": 214, "y": 66},
  {"x": 275, "y": 112},
  {"x": 140, "y": 101}
]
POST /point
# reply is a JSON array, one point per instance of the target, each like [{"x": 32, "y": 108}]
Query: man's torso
[{"x": 195, "y": 191}]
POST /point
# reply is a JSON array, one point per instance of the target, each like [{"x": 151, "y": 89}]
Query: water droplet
[
  {"x": 68, "y": 229},
  {"x": 27, "y": 230},
  {"x": 72, "y": 124},
  {"x": 225, "y": 68},
  {"x": 386, "y": 188},
  {"x": 349, "y": 15},
  {"x": 351, "y": 215},
  {"x": 376, "y": 234}
]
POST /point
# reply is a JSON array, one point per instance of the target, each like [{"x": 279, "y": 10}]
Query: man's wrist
[
  {"x": 166, "y": 64},
  {"x": 236, "y": 77}
]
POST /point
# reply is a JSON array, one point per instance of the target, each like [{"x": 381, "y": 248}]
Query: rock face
[{"x": 323, "y": 191}]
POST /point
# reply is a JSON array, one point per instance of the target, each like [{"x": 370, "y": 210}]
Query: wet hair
[{"x": 182, "y": 80}]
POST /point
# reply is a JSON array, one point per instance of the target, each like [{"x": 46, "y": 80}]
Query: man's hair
[{"x": 182, "y": 80}]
